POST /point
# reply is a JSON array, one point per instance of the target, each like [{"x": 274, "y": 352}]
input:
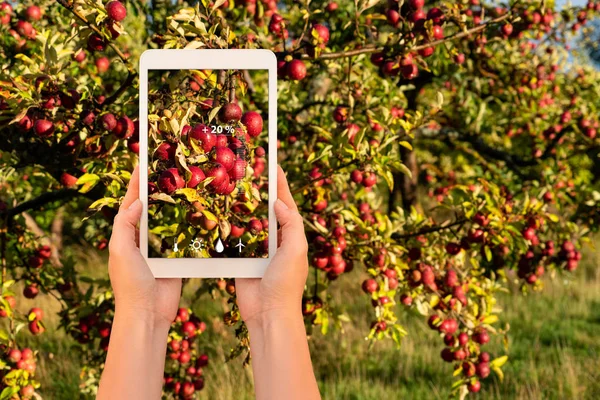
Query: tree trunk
[{"x": 405, "y": 187}]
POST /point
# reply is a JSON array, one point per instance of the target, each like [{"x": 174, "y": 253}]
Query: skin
[{"x": 146, "y": 306}]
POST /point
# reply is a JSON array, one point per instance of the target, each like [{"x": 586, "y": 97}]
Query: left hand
[{"x": 136, "y": 290}]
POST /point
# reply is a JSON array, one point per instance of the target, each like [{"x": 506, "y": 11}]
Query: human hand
[
  {"x": 135, "y": 288},
  {"x": 279, "y": 293}
]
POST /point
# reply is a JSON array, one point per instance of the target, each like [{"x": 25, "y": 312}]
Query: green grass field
[{"x": 554, "y": 350}]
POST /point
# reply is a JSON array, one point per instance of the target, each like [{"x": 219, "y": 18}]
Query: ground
[{"x": 554, "y": 349}]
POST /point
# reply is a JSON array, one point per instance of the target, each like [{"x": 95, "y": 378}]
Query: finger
[
  {"x": 283, "y": 190},
  {"x": 133, "y": 190},
  {"x": 292, "y": 227},
  {"x": 123, "y": 238}
]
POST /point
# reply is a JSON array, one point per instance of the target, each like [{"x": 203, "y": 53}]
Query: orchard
[{"x": 439, "y": 151}]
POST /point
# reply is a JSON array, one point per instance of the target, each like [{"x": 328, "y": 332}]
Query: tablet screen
[{"x": 207, "y": 164}]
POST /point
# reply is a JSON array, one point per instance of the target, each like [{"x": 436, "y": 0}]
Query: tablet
[{"x": 208, "y": 162}]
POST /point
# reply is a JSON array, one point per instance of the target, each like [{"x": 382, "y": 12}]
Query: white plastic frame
[{"x": 212, "y": 60}]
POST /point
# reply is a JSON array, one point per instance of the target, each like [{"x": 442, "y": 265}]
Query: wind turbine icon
[{"x": 240, "y": 245}]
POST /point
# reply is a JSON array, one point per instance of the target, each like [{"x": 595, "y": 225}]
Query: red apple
[
  {"x": 165, "y": 151},
  {"x": 197, "y": 176},
  {"x": 124, "y": 128},
  {"x": 96, "y": 43},
  {"x": 68, "y": 180},
  {"x": 237, "y": 231},
  {"x": 36, "y": 327},
  {"x": 43, "y": 128},
  {"x": 239, "y": 170},
  {"x": 202, "y": 134},
  {"x": 296, "y": 70},
  {"x": 39, "y": 314},
  {"x": 225, "y": 157},
  {"x": 370, "y": 286},
  {"x": 108, "y": 121},
  {"x": 33, "y": 13},
  {"x": 103, "y": 64},
  {"x": 170, "y": 180},
  {"x": 14, "y": 355},
  {"x": 253, "y": 122},
  {"x": 116, "y": 10},
  {"x": 218, "y": 173},
  {"x": 322, "y": 32},
  {"x": 230, "y": 112}
]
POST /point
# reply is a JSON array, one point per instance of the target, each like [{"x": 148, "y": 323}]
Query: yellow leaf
[
  {"x": 499, "y": 362},
  {"x": 498, "y": 372},
  {"x": 490, "y": 319}
]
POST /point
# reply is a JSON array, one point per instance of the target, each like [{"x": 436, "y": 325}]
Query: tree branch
[
  {"x": 327, "y": 175},
  {"x": 41, "y": 201},
  {"x": 232, "y": 83},
  {"x": 374, "y": 49},
  {"x": 431, "y": 229},
  {"x": 512, "y": 161},
  {"x": 127, "y": 83}
]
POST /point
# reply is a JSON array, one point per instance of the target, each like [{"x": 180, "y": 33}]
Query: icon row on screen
[{"x": 198, "y": 244}]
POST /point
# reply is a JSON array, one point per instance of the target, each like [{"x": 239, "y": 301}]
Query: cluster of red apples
[{"x": 184, "y": 370}]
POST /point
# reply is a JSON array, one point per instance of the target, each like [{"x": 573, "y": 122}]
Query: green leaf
[
  {"x": 213, "y": 113},
  {"x": 88, "y": 181},
  {"x": 9, "y": 392},
  {"x": 488, "y": 253},
  {"x": 166, "y": 230},
  {"x": 404, "y": 169},
  {"x": 8, "y": 283},
  {"x": 104, "y": 202}
]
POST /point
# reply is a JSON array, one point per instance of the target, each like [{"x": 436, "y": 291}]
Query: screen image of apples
[{"x": 207, "y": 163}]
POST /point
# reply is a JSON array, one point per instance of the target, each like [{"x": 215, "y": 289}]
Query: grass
[{"x": 554, "y": 350}]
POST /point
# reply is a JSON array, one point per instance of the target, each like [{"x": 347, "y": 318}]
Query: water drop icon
[{"x": 219, "y": 247}]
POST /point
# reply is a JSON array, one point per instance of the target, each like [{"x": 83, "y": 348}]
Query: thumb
[
  {"x": 123, "y": 238},
  {"x": 292, "y": 227}
]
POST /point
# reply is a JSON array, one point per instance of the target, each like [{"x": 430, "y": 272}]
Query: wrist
[
  {"x": 263, "y": 321},
  {"x": 130, "y": 314}
]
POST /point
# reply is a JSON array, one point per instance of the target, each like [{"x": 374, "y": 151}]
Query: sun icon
[{"x": 196, "y": 244}]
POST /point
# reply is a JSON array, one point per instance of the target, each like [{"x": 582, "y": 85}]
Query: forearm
[
  {"x": 136, "y": 358},
  {"x": 281, "y": 359}
]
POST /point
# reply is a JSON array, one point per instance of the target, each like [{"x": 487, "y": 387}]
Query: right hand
[{"x": 279, "y": 293}]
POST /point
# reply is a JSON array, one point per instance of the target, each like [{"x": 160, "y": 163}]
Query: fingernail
[
  {"x": 282, "y": 204},
  {"x": 134, "y": 204}
]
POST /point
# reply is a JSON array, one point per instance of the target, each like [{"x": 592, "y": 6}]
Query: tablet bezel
[{"x": 212, "y": 60}]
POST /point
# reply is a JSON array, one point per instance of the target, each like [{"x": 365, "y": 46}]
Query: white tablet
[{"x": 208, "y": 165}]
